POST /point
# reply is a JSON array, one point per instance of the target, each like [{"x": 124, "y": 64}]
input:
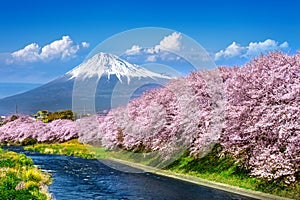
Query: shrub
[{"x": 29, "y": 141}]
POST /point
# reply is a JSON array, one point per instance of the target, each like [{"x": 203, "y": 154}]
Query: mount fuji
[
  {"x": 109, "y": 64},
  {"x": 105, "y": 80}
]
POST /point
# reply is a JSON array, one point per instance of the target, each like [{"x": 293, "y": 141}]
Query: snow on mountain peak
[{"x": 109, "y": 64}]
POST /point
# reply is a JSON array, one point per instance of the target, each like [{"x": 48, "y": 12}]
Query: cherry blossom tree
[
  {"x": 23, "y": 127},
  {"x": 262, "y": 127}
]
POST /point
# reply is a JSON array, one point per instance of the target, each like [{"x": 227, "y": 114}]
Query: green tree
[{"x": 66, "y": 114}]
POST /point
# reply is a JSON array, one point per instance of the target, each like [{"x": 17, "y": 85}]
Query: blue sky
[{"x": 62, "y": 33}]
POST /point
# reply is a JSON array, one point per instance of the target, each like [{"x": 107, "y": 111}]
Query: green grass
[
  {"x": 213, "y": 166},
  {"x": 27, "y": 141},
  {"x": 19, "y": 179},
  {"x": 223, "y": 169},
  {"x": 74, "y": 148},
  {"x": 70, "y": 148}
]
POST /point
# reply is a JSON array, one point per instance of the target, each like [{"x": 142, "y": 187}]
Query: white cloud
[
  {"x": 59, "y": 49},
  {"x": 253, "y": 49},
  {"x": 63, "y": 49},
  {"x": 170, "y": 43},
  {"x": 30, "y": 53},
  {"x": 231, "y": 51},
  {"x": 284, "y": 45},
  {"x": 85, "y": 44},
  {"x": 151, "y": 50},
  {"x": 135, "y": 49},
  {"x": 151, "y": 58}
]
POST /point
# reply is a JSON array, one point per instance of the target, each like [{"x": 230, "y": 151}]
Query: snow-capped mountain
[
  {"x": 109, "y": 64},
  {"x": 106, "y": 69}
]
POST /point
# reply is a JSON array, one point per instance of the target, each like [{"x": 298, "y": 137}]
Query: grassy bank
[
  {"x": 20, "y": 179},
  {"x": 70, "y": 148},
  {"x": 224, "y": 169},
  {"x": 212, "y": 167}
]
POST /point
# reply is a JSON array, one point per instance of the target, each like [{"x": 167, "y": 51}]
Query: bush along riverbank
[
  {"x": 20, "y": 179},
  {"x": 69, "y": 148},
  {"x": 214, "y": 166}
]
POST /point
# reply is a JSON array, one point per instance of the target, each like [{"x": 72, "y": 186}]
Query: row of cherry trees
[
  {"x": 18, "y": 128},
  {"x": 252, "y": 111}
]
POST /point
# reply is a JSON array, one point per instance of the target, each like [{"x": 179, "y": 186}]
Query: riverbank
[
  {"x": 20, "y": 179},
  {"x": 200, "y": 181},
  {"x": 221, "y": 173}
]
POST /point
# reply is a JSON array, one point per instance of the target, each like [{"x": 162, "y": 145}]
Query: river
[{"x": 83, "y": 179}]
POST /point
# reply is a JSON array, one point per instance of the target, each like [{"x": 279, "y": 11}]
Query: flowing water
[{"x": 77, "y": 178}]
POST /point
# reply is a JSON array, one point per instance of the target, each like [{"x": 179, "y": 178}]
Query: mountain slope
[
  {"x": 109, "y": 64},
  {"x": 106, "y": 69}
]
